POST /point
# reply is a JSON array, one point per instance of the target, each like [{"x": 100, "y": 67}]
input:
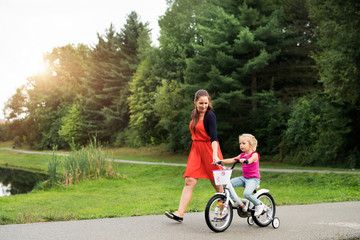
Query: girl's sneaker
[{"x": 259, "y": 209}]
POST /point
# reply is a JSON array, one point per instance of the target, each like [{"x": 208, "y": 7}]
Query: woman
[{"x": 204, "y": 151}]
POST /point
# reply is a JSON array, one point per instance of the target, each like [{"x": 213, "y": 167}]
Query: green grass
[
  {"x": 148, "y": 189},
  {"x": 7, "y": 144},
  {"x": 159, "y": 154},
  {"x": 30, "y": 162},
  {"x": 149, "y": 154},
  {"x": 310, "y": 188}
]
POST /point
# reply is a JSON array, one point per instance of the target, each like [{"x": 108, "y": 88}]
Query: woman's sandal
[
  {"x": 219, "y": 219},
  {"x": 173, "y": 216}
]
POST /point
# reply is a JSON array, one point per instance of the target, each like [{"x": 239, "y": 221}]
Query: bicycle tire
[
  {"x": 266, "y": 217},
  {"x": 211, "y": 214}
]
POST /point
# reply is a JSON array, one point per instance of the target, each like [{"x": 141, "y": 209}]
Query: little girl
[{"x": 250, "y": 166}]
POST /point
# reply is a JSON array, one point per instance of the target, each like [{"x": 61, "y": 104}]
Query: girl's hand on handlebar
[{"x": 242, "y": 160}]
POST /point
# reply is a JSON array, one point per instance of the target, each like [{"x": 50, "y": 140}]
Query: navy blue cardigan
[{"x": 210, "y": 125}]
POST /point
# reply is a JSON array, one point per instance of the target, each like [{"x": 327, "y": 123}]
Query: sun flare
[{"x": 36, "y": 67}]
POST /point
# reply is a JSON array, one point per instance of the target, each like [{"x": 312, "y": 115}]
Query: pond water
[{"x": 14, "y": 181}]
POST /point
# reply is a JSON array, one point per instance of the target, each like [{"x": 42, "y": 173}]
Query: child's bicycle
[{"x": 219, "y": 209}]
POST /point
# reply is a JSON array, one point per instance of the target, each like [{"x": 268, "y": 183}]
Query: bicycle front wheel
[
  {"x": 218, "y": 216},
  {"x": 269, "y": 211}
]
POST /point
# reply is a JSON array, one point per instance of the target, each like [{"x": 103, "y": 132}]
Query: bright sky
[{"x": 31, "y": 28}]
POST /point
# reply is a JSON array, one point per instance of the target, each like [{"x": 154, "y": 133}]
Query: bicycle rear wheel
[
  {"x": 269, "y": 211},
  {"x": 216, "y": 218}
]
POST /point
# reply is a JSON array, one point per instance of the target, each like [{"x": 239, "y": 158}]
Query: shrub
[
  {"x": 316, "y": 132},
  {"x": 17, "y": 142}
]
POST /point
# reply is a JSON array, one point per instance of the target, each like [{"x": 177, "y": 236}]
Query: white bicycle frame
[
  {"x": 218, "y": 217},
  {"x": 228, "y": 188}
]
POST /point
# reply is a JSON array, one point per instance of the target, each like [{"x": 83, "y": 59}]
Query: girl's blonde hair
[{"x": 251, "y": 139}]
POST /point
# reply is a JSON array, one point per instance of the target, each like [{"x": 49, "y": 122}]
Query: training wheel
[
  {"x": 250, "y": 221},
  {"x": 276, "y": 223}
]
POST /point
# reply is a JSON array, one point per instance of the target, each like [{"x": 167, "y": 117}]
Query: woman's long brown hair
[{"x": 195, "y": 113}]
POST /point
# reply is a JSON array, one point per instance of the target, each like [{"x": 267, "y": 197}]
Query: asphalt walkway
[
  {"x": 318, "y": 221},
  {"x": 305, "y": 222}
]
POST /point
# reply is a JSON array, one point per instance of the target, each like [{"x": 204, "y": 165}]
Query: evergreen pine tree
[
  {"x": 100, "y": 69},
  {"x": 114, "y": 61},
  {"x": 124, "y": 64},
  {"x": 238, "y": 39}
]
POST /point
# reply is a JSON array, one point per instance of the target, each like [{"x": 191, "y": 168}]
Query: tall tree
[
  {"x": 49, "y": 93},
  {"x": 179, "y": 32},
  {"x": 237, "y": 40},
  {"x": 41, "y": 104},
  {"x": 337, "y": 35},
  {"x": 143, "y": 120},
  {"x": 72, "y": 128},
  {"x": 103, "y": 68},
  {"x": 117, "y": 88},
  {"x": 294, "y": 72},
  {"x": 114, "y": 61},
  {"x": 15, "y": 109}
]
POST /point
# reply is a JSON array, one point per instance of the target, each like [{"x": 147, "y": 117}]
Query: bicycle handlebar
[
  {"x": 237, "y": 160},
  {"x": 219, "y": 163}
]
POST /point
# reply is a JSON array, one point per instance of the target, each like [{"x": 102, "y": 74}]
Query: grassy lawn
[
  {"x": 31, "y": 162},
  {"x": 148, "y": 189},
  {"x": 159, "y": 154},
  {"x": 149, "y": 154}
]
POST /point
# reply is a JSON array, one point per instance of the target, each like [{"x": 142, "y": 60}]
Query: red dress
[{"x": 200, "y": 158}]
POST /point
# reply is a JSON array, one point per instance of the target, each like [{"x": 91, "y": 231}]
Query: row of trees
[{"x": 284, "y": 70}]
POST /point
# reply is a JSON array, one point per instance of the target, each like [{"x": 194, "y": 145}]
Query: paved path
[
  {"x": 184, "y": 165},
  {"x": 318, "y": 221}
]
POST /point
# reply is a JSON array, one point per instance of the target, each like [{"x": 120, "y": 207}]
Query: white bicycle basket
[{"x": 222, "y": 176}]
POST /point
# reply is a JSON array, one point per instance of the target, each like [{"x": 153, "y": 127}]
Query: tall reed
[
  {"x": 92, "y": 161},
  {"x": 53, "y": 165}
]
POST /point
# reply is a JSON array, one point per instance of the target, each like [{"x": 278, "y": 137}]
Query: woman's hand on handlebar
[{"x": 216, "y": 160}]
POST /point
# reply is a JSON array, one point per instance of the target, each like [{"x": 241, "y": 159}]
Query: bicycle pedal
[{"x": 243, "y": 214}]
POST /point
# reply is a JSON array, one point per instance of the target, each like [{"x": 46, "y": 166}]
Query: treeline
[{"x": 285, "y": 70}]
